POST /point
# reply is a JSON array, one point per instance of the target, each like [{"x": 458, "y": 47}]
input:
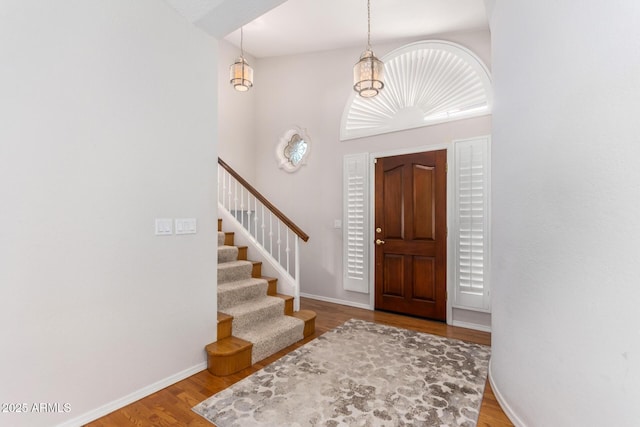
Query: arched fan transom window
[{"x": 426, "y": 83}]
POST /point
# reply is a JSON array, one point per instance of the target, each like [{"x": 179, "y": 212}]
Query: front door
[{"x": 411, "y": 234}]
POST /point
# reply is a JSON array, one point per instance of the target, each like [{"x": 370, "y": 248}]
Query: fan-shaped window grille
[{"x": 426, "y": 83}]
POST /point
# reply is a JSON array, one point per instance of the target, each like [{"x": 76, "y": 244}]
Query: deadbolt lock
[{"x": 378, "y": 230}]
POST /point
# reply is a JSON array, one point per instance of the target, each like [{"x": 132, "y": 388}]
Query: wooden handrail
[{"x": 264, "y": 201}]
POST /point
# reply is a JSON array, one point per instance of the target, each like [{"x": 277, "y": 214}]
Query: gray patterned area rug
[{"x": 360, "y": 374}]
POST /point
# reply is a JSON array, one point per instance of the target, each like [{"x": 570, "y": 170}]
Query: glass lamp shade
[
  {"x": 241, "y": 75},
  {"x": 368, "y": 74}
]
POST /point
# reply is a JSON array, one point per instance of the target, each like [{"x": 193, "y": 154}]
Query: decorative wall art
[{"x": 293, "y": 150}]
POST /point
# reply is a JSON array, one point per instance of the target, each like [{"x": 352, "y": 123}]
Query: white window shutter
[
  {"x": 356, "y": 223},
  {"x": 471, "y": 199}
]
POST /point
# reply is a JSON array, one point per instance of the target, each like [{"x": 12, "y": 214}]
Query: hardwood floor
[{"x": 172, "y": 405}]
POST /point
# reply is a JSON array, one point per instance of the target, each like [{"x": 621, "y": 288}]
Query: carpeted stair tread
[
  {"x": 271, "y": 337},
  {"x": 227, "y": 253},
  {"x": 221, "y": 238},
  {"x": 241, "y": 291},
  {"x": 233, "y": 271},
  {"x": 261, "y": 310}
]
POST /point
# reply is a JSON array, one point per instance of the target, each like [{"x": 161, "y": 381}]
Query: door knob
[{"x": 379, "y": 242}]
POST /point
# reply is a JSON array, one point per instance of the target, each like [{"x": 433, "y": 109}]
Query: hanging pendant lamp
[
  {"x": 368, "y": 73},
  {"x": 240, "y": 73}
]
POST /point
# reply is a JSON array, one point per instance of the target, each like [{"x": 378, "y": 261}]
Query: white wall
[
  {"x": 236, "y": 116},
  {"x": 310, "y": 91},
  {"x": 108, "y": 113},
  {"x": 566, "y": 203}
]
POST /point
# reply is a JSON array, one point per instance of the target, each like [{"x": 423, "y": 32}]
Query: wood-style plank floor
[{"x": 172, "y": 405}]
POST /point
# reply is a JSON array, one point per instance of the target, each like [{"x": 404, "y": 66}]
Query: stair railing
[{"x": 274, "y": 234}]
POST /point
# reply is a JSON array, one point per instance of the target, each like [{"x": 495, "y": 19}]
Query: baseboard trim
[
  {"x": 508, "y": 411},
  {"x": 130, "y": 398},
  {"x": 474, "y": 326},
  {"x": 336, "y": 301}
]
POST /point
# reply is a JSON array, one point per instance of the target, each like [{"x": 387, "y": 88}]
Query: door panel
[
  {"x": 393, "y": 206},
  {"x": 410, "y": 221},
  {"x": 424, "y": 278},
  {"x": 423, "y": 194},
  {"x": 393, "y": 268}
]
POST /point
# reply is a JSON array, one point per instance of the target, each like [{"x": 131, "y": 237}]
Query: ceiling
[{"x": 300, "y": 26}]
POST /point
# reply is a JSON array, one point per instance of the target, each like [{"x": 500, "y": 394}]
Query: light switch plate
[
  {"x": 186, "y": 226},
  {"x": 164, "y": 226}
]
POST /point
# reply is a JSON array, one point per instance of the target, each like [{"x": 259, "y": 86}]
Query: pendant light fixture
[
  {"x": 369, "y": 71},
  {"x": 240, "y": 73}
]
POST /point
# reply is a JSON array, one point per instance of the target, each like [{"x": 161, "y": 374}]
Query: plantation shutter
[
  {"x": 471, "y": 208},
  {"x": 356, "y": 223}
]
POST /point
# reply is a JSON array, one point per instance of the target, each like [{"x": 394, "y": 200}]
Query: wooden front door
[{"x": 410, "y": 234}]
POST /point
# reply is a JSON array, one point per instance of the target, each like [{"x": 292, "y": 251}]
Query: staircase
[{"x": 254, "y": 321}]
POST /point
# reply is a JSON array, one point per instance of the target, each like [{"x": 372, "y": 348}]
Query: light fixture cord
[
  {"x": 241, "y": 40},
  {"x": 369, "y": 24}
]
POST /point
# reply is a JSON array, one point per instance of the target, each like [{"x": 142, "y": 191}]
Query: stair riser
[
  {"x": 229, "y": 239},
  {"x": 257, "y": 269},
  {"x": 263, "y": 349},
  {"x": 273, "y": 287},
  {"x": 262, "y": 315},
  {"x": 224, "y": 326},
  {"x": 228, "y": 274},
  {"x": 227, "y": 254},
  {"x": 229, "y": 296},
  {"x": 288, "y": 303}
]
